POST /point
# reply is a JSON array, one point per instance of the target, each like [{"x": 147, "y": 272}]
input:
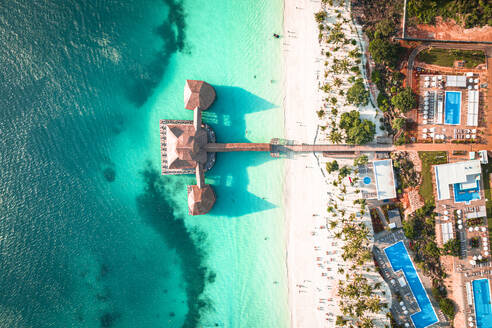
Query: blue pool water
[
  {"x": 452, "y": 108},
  {"x": 483, "y": 310},
  {"x": 466, "y": 195},
  {"x": 400, "y": 260},
  {"x": 367, "y": 180}
]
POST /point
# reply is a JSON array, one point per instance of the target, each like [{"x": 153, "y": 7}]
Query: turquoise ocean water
[{"x": 90, "y": 234}]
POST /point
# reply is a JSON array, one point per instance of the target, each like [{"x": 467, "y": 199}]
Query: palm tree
[
  {"x": 337, "y": 82},
  {"x": 335, "y": 136}
]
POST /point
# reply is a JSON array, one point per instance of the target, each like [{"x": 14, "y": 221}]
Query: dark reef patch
[
  {"x": 109, "y": 174},
  {"x": 156, "y": 209},
  {"x": 108, "y": 319},
  {"x": 172, "y": 32}
]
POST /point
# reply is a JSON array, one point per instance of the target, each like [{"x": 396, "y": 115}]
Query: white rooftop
[
  {"x": 456, "y": 81},
  {"x": 385, "y": 180},
  {"x": 446, "y": 231},
  {"x": 459, "y": 172}
]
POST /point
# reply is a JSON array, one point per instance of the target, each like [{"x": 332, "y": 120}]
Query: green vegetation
[
  {"x": 405, "y": 170},
  {"x": 361, "y": 160},
  {"x": 447, "y": 307},
  {"x": 331, "y": 166},
  {"x": 404, "y": 100},
  {"x": 452, "y": 247},
  {"x": 358, "y": 131},
  {"x": 399, "y": 123},
  {"x": 487, "y": 169},
  {"x": 357, "y": 94},
  {"x": 320, "y": 16},
  {"x": 384, "y": 52},
  {"x": 447, "y": 57},
  {"x": 469, "y": 12},
  {"x": 428, "y": 159}
]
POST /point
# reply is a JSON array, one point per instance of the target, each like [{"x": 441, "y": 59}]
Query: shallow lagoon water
[{"x": 91, "y": 234}]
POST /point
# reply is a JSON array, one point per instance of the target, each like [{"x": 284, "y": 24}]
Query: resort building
[
  {"x": 183, "y": 146},
  {"x": 377, "y": 180},
  {"x": 449, "y": 108},
  {"x": 464, "y": 177}
]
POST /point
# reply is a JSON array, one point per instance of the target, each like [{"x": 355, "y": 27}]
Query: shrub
[
  {"x": 357, "y": 94},
  {"x": 331, "y": 166},
  {"x": 447, "y": 307},
  {"x": 404, "y": 100},
  {"x": 358, "y": 131},
  {"x": 320, "y": 16},
  {"x": 383, "y": 51}
]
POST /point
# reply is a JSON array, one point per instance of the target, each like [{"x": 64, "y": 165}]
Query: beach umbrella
[
  {"x": 403, "y": 307},
  {"x": 473, "y": 131},
  {"x": 473, "y": 136},
  {"x": 484, "y": 229},
  {"x": 484, "y": 239},
  {"x": 425, "y": 122},
  {"x": 470, "y": 324},
  {"x": 446, "y": 212},
  {"x": 458, "y": 211},
  {"x": 486, "y": 253},
  {"x": 470, "y": 319},
  {"x": 407, "y": 324},
  {"x": 460, "y": 226},
  {"x": 470, "y": 229},
  {"x": 424, "y": 135},
  {"x": 426, "y": 107},
  {"x": 469, "y": 87},
  {"x": 470, "y": 80},
  {"x": 460, "y": 222},
  {"x": 480, "y": 257},
  {"x": 474, "y": 257},
  {"x": 405, "y": 312},
  {"x": 485, "y": 248},
  {"x": 472, "y": 262},
  {"x": 424, "y": 130},
  {"x": 476, "y": 87},
  {"x": 401, "y": 303},
  {"x": 425, "y": 116},
  {"x": 477, "y": 228},
  {"x": 476, "y": 80}
]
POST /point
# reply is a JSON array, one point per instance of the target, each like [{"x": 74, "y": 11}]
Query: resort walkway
[{"x": 305, "y": 148}]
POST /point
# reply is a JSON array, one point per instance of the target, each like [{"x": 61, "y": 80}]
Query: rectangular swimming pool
[
  {"x": 483, "y": 309},
  {"x": 452, "y": 108},
  {"x": 466, "y": 195},
  {"x": 400, "y": 260}
]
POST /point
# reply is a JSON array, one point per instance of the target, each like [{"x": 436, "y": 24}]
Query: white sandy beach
[
  {"x": 313, "y": 253},
  {"x": 304, "y": 184}
]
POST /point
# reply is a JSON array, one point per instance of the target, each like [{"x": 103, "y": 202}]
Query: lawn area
[
  {"x": 487, "y": 169},
  {"x": 447, "y": 57},
  {"x": 428, "y": 159}
]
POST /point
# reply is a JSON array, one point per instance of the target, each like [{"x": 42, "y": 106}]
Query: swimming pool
[
  {"x": 483, "y": 310},
  {"x": 400, "y": 260},
  {"x": 452, "y": 108},
  {"x": 466, "y": 195}
]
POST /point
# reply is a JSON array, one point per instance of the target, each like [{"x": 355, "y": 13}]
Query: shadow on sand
[{"x": 229, "y": 177}]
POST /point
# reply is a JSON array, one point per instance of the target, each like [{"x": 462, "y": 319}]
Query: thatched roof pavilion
[
  {"x": 198, "y": 94},
  {"x": 200, "y": 200},
  {"x": 185, "y": 146}
]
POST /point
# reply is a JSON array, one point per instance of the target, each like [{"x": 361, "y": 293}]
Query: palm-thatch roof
[
  {"x": 185, "y": 146},
  {"x": 198, "y": 94},
  {"x": 200, "y": 200}
]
